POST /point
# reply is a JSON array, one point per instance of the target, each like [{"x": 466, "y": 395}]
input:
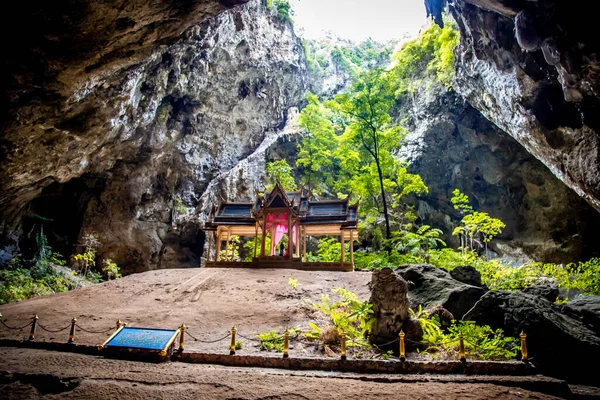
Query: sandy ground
[
  {"x": 208, "y": 301},
  {"x": 87, "y": 377}
]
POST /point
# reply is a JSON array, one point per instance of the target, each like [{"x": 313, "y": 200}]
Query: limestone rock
[
  {"x": 431, "y": 286},
  {"x": 554, "y": 339},
  {"x": 466, "y": 274},
  {"x": 548, "y": 292},
  {"x": 390, "y": 304}
]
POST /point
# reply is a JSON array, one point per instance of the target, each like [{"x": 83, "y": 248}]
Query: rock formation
[
  {"x": 389, "y": 296},
  {"x": 531, "y": 68},
  {"x": 132, "y": 153}
]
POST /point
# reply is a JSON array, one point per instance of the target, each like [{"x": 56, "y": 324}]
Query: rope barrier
[
  {"x": 207, "y": 341},
  {"x": 88, "y": 331},
  {"x": 53, "y": 331},
  {"x": 15, "y": 328}
]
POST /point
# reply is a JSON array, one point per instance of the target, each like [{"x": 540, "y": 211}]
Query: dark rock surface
[
  {"x": 556, "y": 341},
  {"x": 431, "y": 286},
  {"x": 548, "y": 292},
  {"x": 451, "y": 145},
  {"x": 389, "y": 296},
  {"x": 466, "y": 274},
  {"x": 587, "y": 310},
  {"x": 531, "y": 68}
]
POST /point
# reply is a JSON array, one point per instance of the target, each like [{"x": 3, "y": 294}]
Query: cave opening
[{"x": 58, "y": 212}]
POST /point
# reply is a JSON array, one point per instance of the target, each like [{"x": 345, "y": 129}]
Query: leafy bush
[
  {"x": 180, "y": 207},
  {"x": 284, "y": 9},
  {"x": 272, "y": 341},
  {"x": 111, "y": 269},
  {"x": 480, "y": 342}
]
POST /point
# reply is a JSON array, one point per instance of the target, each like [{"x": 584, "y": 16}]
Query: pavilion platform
[{"x": 276, "y": 262}]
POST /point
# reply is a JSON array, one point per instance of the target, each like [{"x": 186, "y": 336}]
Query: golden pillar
[
  {"x": 523, "y": 346},
  {"x": 181, "y": 337},
  {"x": 342, "y": 241},
  {"x": 255, "y": 238},
  {"x": 232, "y": 347},
  {"x": 264, "y": 236},
  {"x": 352, "y": 247},
  {"x": 218, "y": 246},
  {"x": 286, "y": 343},
  {"x": 227, "y": 247},
  {"x": 402, "y": 346},
  {"x": 33, "y": 327},
  {"x": 304, "y": 250},
  {"x": 343, "y": 346},
  {"x": 72, "y": 331}
]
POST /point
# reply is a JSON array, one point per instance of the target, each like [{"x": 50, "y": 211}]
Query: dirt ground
[
  {"x": 209, "y": 302},
  {"x": 34, "y": 374}
]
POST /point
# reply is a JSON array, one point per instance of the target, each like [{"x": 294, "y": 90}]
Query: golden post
[
  {"x": 402, "y": 349},
  {"x": 286, "y": 343},
  {"x": 232, "y": 347},
  {"x": 461, "y": 347},
  {"x": 33, "y": 326},
  {"x": 72, "y": 331},
  {"x": 343, "y": 346},
  {"x": 181, "y": 337},
  {"x": 523, "y": 346}
]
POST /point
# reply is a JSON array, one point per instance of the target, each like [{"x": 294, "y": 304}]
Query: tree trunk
[{"x": 388, "y": 233}]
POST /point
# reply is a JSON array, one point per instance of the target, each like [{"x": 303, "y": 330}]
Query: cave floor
[{"x": 209, "y": 302}]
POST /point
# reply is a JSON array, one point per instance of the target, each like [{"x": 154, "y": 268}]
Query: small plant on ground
[
  {"x": 87, "y": 259},
  {"x": 180, "y": 207},
  {"x": 272, "y": 341},
  {"x": 238, "y": 345},
  {"x": 294, "y": 283},
  {"x": 111, "y": 269}
]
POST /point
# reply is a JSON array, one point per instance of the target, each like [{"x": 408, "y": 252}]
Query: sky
[{"x": 358, "y": 19}]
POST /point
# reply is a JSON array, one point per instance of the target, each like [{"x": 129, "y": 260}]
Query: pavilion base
[{"x": 280, "y": 262}]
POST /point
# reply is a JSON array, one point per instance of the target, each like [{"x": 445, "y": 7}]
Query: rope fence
[{"x": 182, "y": 331}]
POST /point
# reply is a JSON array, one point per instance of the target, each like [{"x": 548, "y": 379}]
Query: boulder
[
  {"x": 548, "y": 292},
  {"x": 555, "y": 339},
  {"x": 389, "y": 296},
  {"x": 467, "y": 274},
  {"x": 431, "y": 286},
  {"x": 585, "y": 309}
]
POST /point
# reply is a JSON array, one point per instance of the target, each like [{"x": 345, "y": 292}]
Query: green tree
[
  {"x": 369, "y": 134},
  {"x": 316, "y": 149},
  {"x": 280, "y": 171},
  {"x": 475, "y": 224}
]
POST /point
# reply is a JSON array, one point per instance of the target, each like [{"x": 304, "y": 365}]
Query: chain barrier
[
  {"x": 88, "y": 331},
  {"x": 15, "y": 328},
  {"x": 207, "y": 341},
  {"x": 53, "y": 331}
]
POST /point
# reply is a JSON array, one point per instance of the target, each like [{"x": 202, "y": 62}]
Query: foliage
[
  {"x": 476, "y": 226},
  {"x": 349, "y": 315},
  {"x": 284, "y": 9},
  {"x": 316, "y": 149},
  {"x": 111, "y": 269},
  {"x": 232, "y": 252},
  {"x": 418, "y": 243},
  {"x": 280, "y": 171},
  {"x": 272, "y": 341},
  {"x": 87, "y": 259},
  {"x": 238, "y": 344},
  {"x": 180, "y": 207},
  {"x": 249, "y": 246},
  {"x": 294, "y": 283},
  {"x": 368, "y": 141},
  {"x": 426, "y": 61},
  {"x": 480, "y": 342},
  {"x": 21, "y": 284}
]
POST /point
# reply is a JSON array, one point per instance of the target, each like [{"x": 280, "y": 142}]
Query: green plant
[
  {"x": 294, "y": 283},
  {"x": 180, "y": 207},
  {"x": 87, "y": 259},
  {"x": 111, "y": 269},
  {"x": 232, "y": 252},
  {"x": 238, "y": 344},
  {"x": 284, "y": 9},
  {"x": 272, "y": 341},
  {"x": 280, "y": 171}
]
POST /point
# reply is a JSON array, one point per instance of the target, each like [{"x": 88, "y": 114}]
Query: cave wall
[
  {"x": 452, "y": 145},
  {"x": 167, "y": 135},
  {"x": 542, "y": 89}
]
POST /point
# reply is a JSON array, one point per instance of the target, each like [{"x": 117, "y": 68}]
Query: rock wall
[
  {"x": 531, "y": 68},
  {"x": 451, "y": 145},
  {"x": 150, "y": 141}
]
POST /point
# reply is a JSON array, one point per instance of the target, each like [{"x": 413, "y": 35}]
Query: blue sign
[{"x": 142, "y": 338}]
